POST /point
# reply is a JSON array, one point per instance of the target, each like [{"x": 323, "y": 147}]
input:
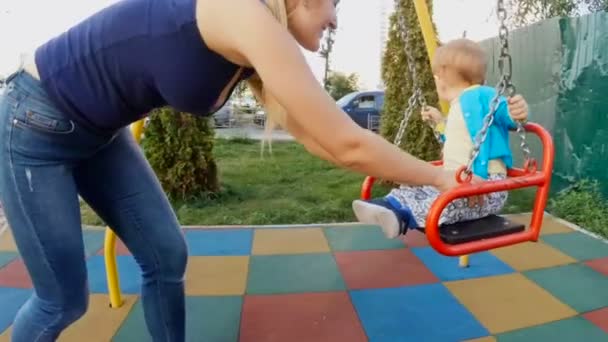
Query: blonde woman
[{"x": 63, "y": 134}]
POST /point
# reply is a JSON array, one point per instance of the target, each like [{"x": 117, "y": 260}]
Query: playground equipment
[
  {"x": 464, "y": 238},
  {"x": 109, "y": 248},
  {"x": 459, "y": 239}
]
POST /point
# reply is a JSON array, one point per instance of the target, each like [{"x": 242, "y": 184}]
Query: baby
[{"x": 459, "y": 68}]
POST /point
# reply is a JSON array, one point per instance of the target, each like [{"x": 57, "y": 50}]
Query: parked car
[
  {"x": 363, "y": 107},
  {"x": 224, "y": 117},
  {"x": 259, "y": 118}
]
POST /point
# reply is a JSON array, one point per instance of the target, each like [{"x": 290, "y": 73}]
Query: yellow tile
[
  {"x": 532, "y": 255},
  {"x": 216, "y": 275},
  {"x": 101, "y": 322},
  {"x": 483, "y": 339},
  {"x": 289, "y": 241},
  {"x": 550, "y": 225},
  {"x": 508, "y": 302},
  {"x": 7, "y": 244},
  {"x": 6, "y": 335}
]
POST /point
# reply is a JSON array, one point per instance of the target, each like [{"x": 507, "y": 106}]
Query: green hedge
[{"x": 179, "y": 146}]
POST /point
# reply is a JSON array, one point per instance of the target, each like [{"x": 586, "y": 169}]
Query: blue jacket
[{"x": 475, "y": 105}]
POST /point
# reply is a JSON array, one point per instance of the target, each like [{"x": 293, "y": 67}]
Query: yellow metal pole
[
  {"x": 430, "y": 40},
  {"x": 110, "y": 243}
]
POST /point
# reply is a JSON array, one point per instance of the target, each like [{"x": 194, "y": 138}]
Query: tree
[
  {"x": 179, "y": 147},
  {"x": 339, "y": 84},
  {"x": 597, "y": 5},
  {"x": 526, "y": 12},
  {"x": 419, "y": 137}
]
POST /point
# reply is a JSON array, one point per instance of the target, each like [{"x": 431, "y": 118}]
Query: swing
[{"x": 494, "y": 231}]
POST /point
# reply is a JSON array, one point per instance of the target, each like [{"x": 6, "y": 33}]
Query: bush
[
  {"x": 179, "y": 147},
  {"x": 583, "y": 205},
  {"x": 419, "y": 139}
]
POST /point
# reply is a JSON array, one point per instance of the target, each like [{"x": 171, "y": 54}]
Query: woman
[{"x": 63, "y": 134}]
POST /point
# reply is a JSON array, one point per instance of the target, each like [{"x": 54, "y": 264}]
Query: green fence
[{"x": 561, "y": 67}]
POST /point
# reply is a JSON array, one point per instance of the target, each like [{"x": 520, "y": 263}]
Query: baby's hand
[
  {"x": 431, "y": 114},
  {"x": 518, "y": 108}
]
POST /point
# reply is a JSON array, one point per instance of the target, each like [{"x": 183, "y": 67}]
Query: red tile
[
  {"x": 300, "y": 317},
  {"x": 383, "y": 268},
  {"x": 121, "y": 249},
  {"x": 415, "y": 238},
  {"x": 599, "y": 318},
  {"x": 600, "y": 265},
  {"x": 15, "y": 275}
]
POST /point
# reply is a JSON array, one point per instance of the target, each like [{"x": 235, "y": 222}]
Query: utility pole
[{"x": 325, "y": 52}]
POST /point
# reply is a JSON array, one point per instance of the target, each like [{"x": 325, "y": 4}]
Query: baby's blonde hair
[
  {"x": 462, "y": 58},
  {"x": 275, "y": 113}
]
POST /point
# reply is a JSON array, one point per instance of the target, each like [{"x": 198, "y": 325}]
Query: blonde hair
[
  {"x": 275, "y": 113},
  {"x": 462, "y": 57}
]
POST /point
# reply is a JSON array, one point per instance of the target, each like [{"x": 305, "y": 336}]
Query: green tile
[
  {"x": 213, "y": 318},
  {"x": 271, "y": 274},
  {"x": 576, "y": 285},
  {"x": 7, "y": 257},
  {"x": 578, "y": 245},
  {"x": 360, "y": 238},
  {"x": 134, "y": 326},
  {"x": 207, "y": 319},
  {"x": 569, "y": 330}
]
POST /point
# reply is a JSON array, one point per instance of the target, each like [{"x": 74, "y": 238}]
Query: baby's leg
[
  {"x": 379, "y": 212},
  {"x": 461, "y": 210},
  {"x": 394, "y": 213},
  {"x": 418, "y": 199}
]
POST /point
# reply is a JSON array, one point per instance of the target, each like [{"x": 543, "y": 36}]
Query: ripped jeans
[{"x": 47, "y": 161}]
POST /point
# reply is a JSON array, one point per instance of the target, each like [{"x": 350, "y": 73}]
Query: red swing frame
[{"x": 518, "y": 178}]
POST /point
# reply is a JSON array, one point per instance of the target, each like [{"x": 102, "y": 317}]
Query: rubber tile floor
[{"x": 349, "y": 283}]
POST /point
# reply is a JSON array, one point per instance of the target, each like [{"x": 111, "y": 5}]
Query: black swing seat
[{"x": 484, "y": 228}]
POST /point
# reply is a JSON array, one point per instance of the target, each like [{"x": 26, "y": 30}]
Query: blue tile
[
  {"x": 12, "y": 300},
  {"x": 446, "y": 268},
  {"x": 128, "y": 270},
  {"x": 93, "y": 241},
  {"x": 416, "y": 313},
  {"x": 7, "y": 257},
  {"x": 219, "y": 242}
]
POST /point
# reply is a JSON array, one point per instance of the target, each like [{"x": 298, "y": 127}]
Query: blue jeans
[{"x": 47, "y": 160}]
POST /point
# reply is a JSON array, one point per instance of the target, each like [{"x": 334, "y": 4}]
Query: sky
[{"x": 357, "y": 47}]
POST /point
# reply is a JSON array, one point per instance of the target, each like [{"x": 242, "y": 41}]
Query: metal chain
[
  {"x": 411, "y": 103},
  {"x": 507, "y": 61},
  {"x": 504, "y": 87},
  {"x": 417, "y": 96}
]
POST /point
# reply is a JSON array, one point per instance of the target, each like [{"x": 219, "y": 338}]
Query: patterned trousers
[{"x": 420, "y": 199}]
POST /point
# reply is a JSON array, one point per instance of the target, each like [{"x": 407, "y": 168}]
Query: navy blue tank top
[{"x": 129, "y": 58}]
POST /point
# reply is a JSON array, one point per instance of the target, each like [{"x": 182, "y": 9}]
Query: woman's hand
[
  {"x": 432, "y": 114},
  {"x": 446, "y": 180},
  {"x": 518, "y": 108}
]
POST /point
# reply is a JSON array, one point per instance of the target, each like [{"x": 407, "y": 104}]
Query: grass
[{"x": 288, "y": 187}]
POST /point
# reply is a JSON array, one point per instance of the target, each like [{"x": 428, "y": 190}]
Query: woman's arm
[
  {"x": 310, "y": 144},
  {"x": 247, "y": 29}
]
